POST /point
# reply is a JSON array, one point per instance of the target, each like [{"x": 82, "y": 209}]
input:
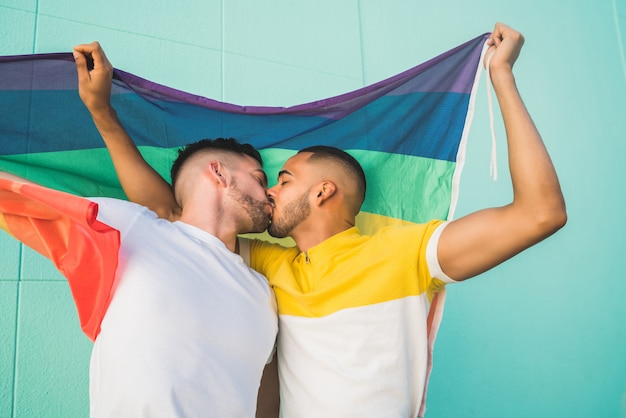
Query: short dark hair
[
  {"x": 343, "y": 158},
  {"x": 221, "y": 144}
]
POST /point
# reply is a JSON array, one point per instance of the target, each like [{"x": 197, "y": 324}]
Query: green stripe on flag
[
  {"x": 423, "y": 184},
  {"x": 83, "y": 172},
  {"x": 415, "y": 189}
]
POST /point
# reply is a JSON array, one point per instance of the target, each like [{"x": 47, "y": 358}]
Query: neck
[
  {"x": 212, "y": 222},
  {"x": 308, "y": 236}
]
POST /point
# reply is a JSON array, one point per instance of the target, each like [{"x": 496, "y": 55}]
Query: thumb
[{"x": 81, "y": 66}]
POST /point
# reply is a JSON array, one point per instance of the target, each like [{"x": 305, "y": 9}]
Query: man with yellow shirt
[{"x": 353, "y": 309}]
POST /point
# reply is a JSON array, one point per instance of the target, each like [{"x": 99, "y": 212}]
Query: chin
[{"x": 273, "y": 233}]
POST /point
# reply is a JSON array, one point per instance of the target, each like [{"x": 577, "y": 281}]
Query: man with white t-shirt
[{"x": 188, "y": 327}]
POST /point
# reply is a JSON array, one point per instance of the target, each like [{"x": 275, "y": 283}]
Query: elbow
[
  {"x": 551, "y": 220},
  {"x": 557, "y": 211},
  {"x": 557, "y": 222},
  {"x": 562, "y": 218}
]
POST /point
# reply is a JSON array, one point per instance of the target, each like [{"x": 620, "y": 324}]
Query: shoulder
[
  {"x": 418, "y": 244},
  {"x": 264, "y": 254},
  {"x": 262, "y": 247},
  {"x": 120, "y": 213},
  {"x": 409, "y": 232}
]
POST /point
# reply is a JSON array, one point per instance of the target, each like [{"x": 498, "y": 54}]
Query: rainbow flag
[{"x": 408, "y": 132}]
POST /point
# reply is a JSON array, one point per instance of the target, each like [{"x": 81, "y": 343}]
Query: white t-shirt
[{"x": 189, "y": 328}]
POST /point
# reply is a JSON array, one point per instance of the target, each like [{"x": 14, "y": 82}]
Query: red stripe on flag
[{"x": 64, "y": 228}]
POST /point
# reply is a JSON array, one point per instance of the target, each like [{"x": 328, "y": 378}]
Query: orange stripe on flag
[{"x": 63, "y": 228}]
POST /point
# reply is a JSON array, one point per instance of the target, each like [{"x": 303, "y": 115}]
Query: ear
[
  {"x": 216, "y": 172},
  {"x": 324, "y": 191}
]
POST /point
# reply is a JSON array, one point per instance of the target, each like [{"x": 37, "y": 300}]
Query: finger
[
  {"x": 497, "y": 34},
  {"x": 87, "y": 51},
  {"x": 81, "y": 66},
  {"x": 100, "y": 59},
  {"x": 492, "y": 40}
]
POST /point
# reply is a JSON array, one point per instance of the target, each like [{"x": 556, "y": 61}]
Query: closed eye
[
  {"x": 281, "y": 177},
  {"x": 261, "y": 177}
]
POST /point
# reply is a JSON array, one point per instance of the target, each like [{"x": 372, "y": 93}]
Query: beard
[
  {"x": 293, "y": 214},
  {"x": 254, "y": 209}
]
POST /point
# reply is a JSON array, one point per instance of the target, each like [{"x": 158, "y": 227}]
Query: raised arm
[
  {"x": 141, "y": 183},
  {"x": 481, "y": 240}
]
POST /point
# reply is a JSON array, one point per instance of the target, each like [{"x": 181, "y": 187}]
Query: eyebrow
[{"x": 283, "y": 172}]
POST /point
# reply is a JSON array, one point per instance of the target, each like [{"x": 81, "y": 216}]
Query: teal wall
[{"x": 541, "y": 336}]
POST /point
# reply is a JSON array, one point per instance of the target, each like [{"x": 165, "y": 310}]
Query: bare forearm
[
  {"x": 141, "y": 183},
  {"x": 535, "y": 182},
  {"x": 117, "y": 140}
]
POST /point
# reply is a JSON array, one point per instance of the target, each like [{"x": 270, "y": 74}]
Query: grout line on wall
[
  {"x": 222, "y": 55},
  {"x": 36, "y": 26},
  {"x": 299, "y": 67},
  {"x": 221, "y": 51},
  {"x": 15, "y": 330},
  {"x": 123, "y": 31},
  {"x": 619, "y": 38},
  {"x": 17, "y": 9},
  {"x": 358, "y": 6}
]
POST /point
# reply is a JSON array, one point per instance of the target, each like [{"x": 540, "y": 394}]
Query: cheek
[
  {"x": 261, "y": 195},
  {"x": 283, "y": 197},
  {"x": 256, "y": 190}
]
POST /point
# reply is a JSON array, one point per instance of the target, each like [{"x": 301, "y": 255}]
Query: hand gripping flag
[{"x": 408, "y": 132}]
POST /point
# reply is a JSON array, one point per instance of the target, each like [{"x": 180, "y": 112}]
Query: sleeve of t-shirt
[
  {"x": 431, "y": 256},
  {"x": 119, "y": 214}
]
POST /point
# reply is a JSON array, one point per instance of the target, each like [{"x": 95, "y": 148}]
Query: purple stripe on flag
[{"x": 452, "y": 71}]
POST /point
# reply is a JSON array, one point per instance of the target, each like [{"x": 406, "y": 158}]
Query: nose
[{"x": 270, "y": 195}]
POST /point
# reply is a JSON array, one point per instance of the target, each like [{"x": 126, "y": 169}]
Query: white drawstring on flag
[{"x": 493, "y": 163}]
